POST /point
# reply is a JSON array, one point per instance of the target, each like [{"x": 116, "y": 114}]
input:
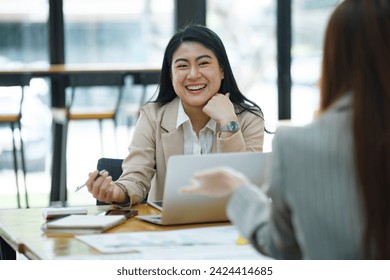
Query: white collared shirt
[{"x": 193, "y": 144}]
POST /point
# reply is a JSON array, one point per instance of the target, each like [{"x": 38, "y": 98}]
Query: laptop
[
  {"x": 186, "y": 208},
  {"x": 156, "y": 204}
]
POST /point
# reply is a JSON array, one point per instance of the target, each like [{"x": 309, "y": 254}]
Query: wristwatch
[{"x": 231, "y": 126}]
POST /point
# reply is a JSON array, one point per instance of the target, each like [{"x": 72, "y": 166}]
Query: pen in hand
[{"x": 82, "y": 186}]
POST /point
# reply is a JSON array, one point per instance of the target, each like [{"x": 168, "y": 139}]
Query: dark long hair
[
  {"x": 209, "y": 39},
  {"x": 357, "y": 59}
]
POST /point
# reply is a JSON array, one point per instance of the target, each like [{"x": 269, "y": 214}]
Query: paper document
[
  {"x": 219, "y": 242},
  {"x": 127, "y": 241},
  {"x": 214, "y": 252}
]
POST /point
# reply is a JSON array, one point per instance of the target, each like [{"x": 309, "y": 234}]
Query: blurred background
[{"x": 137, "y": 31}]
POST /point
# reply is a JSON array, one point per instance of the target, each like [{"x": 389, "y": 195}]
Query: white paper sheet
[
  {"x": 217, "y": 252},
  {"x": 218, "y": 242}
]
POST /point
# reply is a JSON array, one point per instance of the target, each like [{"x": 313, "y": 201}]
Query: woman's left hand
[{"x": 220, "y": 108}]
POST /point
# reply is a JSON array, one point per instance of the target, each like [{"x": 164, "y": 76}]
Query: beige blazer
[{"x": 156, "y": 138}]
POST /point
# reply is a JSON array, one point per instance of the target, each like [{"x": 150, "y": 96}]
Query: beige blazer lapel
[{"x": 172, "y": 140}]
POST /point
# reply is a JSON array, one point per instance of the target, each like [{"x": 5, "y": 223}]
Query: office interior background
[{"x": 274, "y": 47}]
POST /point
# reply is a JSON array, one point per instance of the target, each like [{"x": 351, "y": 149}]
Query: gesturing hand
[{"x": 216, "y": 182}]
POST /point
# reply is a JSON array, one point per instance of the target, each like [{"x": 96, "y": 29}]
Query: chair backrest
[
  {"x": 132, "y": 110},
  {"x": 112, "y": 165},
  {"x": 114, "y": 168},
  {"x": 96, "y": 80},
  {"x": 12, "y": 81},
  {"x": 145, "y": 79}
]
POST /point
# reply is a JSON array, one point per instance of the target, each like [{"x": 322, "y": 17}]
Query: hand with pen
[{"x": 101, "y": 186}]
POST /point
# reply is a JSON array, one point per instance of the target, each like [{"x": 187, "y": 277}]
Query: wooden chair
[
  {"x": 13, "y": 119},
  {"x": 141, "y": 79},
  {"x": 77, "y": 81}
]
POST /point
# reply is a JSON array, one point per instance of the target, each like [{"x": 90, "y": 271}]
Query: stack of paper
[
  {"x": 82, "y": 224},
  {"x": 51, "y": 213}
]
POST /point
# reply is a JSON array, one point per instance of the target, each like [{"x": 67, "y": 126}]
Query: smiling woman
[
  {"x": 197, "y": 98},
  {"x": 196, "y": 79}
]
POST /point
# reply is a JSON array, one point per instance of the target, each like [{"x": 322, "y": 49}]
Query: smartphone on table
[{"x": 122, "y": 211}]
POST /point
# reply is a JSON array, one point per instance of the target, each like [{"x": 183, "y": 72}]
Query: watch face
[{"x": 233, "y": 126}]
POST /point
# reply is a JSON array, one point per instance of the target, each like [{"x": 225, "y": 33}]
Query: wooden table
[
  {"x": 142, "y": 74},
  {"x": 20, "y": 231},
  {"x": 66, "y": 69}
]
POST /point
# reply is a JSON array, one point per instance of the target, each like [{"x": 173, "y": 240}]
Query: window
[
  {"x": 117, "y": 31},
  {"x": 309, "y": 20},
  {"x": 248, "y": 30},
  {"x": 24, "y": 41},
  {"x": 23, "y": 33}
]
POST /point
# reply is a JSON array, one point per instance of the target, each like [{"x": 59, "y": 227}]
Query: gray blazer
[{"x": 316, "y": 212}]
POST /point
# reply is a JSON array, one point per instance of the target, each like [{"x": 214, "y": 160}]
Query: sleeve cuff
[
  {"x": 248, "y": 208},
  {"x": 124, "y": 204}
]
